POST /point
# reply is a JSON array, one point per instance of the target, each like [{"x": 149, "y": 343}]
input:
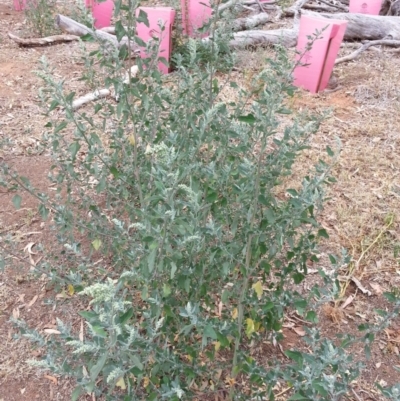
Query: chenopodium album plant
[{"x": 181, "y": 187}]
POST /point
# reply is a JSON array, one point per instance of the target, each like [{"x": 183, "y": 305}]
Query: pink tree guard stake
[
  {"x": 19, "y": 5},
  {"x": 321, "y": 58},
  {"x": 102, "y": 12},
  {"x": 372, "y": 7},
  {"x": 195, "y": 13},
  {"x": 154, "y": 16}
]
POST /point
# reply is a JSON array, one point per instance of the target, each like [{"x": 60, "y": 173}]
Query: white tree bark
[
  {"x": 73, "y": 27},
  {"x": 251, "y": 22},
  {"x": 360, "y": 27}
]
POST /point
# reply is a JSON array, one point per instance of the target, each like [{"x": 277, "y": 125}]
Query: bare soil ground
[{"x": 360, "y": 216}]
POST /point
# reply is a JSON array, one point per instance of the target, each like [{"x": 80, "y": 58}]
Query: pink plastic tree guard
[
  {"x": 155, "y": 15},
  {"x": 372, "y": 7},
  {"x": 19, "y": 5},
  {"x": 195, "y": 13},
  {"x": 320, "y": 60},
  {"x": 101, "y": 11}
]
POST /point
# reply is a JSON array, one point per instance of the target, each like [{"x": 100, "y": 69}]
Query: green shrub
[{"x": 181, "y": 189}]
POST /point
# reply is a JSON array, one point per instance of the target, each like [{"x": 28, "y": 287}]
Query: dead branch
[
  {"x": 242, "y": 24},
  {"x": 319, "y": 7},
  {"x": 49, "y": 40},
  {"x": 73, "y": 27},
  {"x": 90, "y": 97},
  {"x": 364, "y": 47},
  {"x": 102, "y": 93}
]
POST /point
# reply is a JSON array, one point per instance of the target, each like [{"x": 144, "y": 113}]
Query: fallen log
[
  {"x": 90, "y": 97},
  {"x": 366, "y": 27},
  {"x": 360, "y": 27},
  {"x": 285, "y": 37},
  {"x": 73, "y": 27},
  {"x": 49, "y": 40},
  {"x": 242, "y": 24}
]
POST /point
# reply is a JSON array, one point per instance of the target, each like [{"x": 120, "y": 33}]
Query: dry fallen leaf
[
  {"x": 377, "y": 288},
  {"x": 348, "y": 301},
  {"x": 299, "y": 331},
  {"x": 34, "y": 299},
  {"x": 81, "y": 332},
  {"x": 28, "y": 250},
  {"x": 52, "y": 378},
  {"x": 15, "y": 313},
  {"x": 51, "y": 331},
  {"x": 378, "y": 365}
]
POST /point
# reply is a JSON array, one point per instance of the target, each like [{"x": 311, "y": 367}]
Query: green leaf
[
  {"x": 120, "y": 31},
  {"x": 96, "y": 369},
  {"x": 322, "y": 233},
  {"x": 88, "y": 315},
  {"x": 297, "y": 396},
  {"x": 16, "y": 200},
  {"x": 99, "y": 331},
  {"x": 173, "y": 270},
  {"x": 295, "y": 356},
  {"x": 136, "y": 361},
  {"x": 60, "y": 127},
  {"x": 151, "y": 259},
  {"x": 248, "y": 119},
  {"x": 114, "y": 171},
  {"x": 209, "y": 332},
  {"x": 140, "y": 42},
  {"x": 74, "y": 148},
  {"x": 76, "y": 393},
  {"x": 126, "y": 316},
  {"x": 166, "y": 290},
  {"x": 44, "y": 212},
  {"x": 96, "y": 244},
  {"x": 142, "y": 17},
  {"x": 330, "y": 151}
]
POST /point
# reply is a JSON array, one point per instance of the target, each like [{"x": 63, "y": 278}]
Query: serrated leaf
[
  {"x": 250, "y": 329},
  {"x": 257, "y": 287},
  {"x": 16, "y": 200},
  {"x": 96, "y": 244}
]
